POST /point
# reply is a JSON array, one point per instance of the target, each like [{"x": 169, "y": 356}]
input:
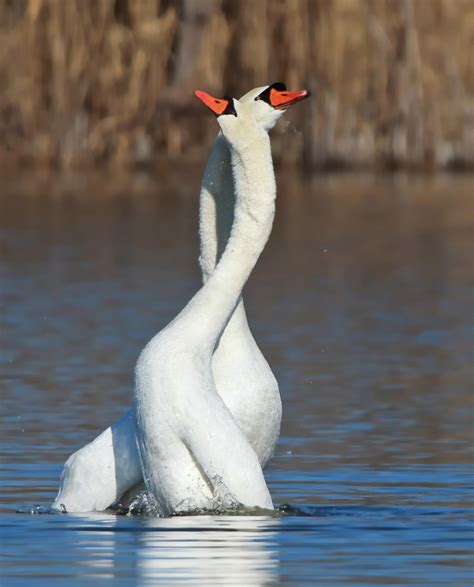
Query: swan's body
[
  {"x": 103, "y": 470},
  {"x": 193, "y": 452}
]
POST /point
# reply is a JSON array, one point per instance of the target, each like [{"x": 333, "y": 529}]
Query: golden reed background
[{"x": 93, "y": 81}]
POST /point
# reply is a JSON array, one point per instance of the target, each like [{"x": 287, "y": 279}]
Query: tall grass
[{"x": 89, "y": 81}]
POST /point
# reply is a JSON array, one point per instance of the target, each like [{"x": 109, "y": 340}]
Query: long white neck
[
  {"x": 255, "y": 191},
  {"x": 216, "y": 207}
]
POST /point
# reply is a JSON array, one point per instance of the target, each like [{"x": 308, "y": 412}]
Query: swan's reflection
[
  {"x": 94, "y": 542},
  {"x": 206, "y": 550},
  {"x": 196, "y": 550}
]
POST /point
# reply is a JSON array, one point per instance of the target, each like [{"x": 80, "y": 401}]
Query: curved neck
[{"x": 255, "y": 191}]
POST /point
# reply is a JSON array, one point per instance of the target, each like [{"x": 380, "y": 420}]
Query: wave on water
[
  {"x": 35, "y": 510},
  {"x": 145, "y": 505}
]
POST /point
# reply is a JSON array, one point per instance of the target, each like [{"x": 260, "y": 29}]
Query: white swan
[
  {"x": 242, "y": 375},
  {"x": 103, "y": 470},
  {"x": 193, "y": 453}
]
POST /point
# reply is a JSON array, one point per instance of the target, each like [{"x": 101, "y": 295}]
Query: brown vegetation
[{"x": 111, "y": 80}]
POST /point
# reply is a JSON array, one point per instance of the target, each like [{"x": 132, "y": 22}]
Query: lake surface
[{"x": 363, "y": 304}]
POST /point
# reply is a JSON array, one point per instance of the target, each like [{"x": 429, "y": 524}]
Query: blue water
[{"x": 362, "y": 303}]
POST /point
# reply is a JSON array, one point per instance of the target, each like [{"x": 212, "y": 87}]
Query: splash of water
[
  {"x": 290, "y": 127},
  {"x": 36, "y": 510}
]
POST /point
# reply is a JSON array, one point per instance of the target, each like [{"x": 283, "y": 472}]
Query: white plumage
[
  {"x": 193, "y": 453},
  {"x": 103, "y": 470}
]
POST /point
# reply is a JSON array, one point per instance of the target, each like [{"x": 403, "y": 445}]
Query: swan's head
[
  {"x": 237, "y": 122},
  {"x": 268, "y": 103}
]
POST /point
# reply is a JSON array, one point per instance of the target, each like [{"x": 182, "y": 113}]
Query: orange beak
[
  {"x": 217, "y": 105},
  {"x": 283, "y": 100}
]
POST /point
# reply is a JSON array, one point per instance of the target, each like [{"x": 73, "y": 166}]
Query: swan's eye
[
  {"x": 229, "y": 109},
  {"x": 265, "y": 95}
]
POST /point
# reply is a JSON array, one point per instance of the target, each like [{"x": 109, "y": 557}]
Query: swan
[
  {"x": 194, "y": 455},
  {"x": 242, "y": 375},
  {"x": 103, "y": 470}
]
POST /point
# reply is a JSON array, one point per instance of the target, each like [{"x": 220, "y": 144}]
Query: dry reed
[{"x": 89, "y": 81}]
